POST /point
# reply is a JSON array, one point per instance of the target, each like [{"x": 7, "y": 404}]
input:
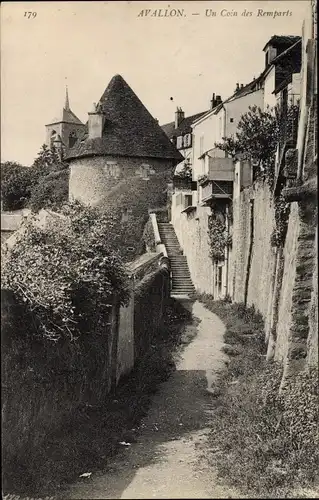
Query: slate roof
[
  {"x": 184, "y": 127},
  {"x": 282, "y": 41},
  {"x": 129, "y": 130},
  {"x": 66, "y": 116}
]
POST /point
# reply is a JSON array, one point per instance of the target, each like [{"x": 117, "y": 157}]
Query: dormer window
[
  {"x": 179, "y": 143},
  {"x": 187, "y": 140},
  {"x": 270, "y": 55}
]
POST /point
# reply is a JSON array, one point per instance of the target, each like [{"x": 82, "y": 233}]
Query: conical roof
[{"x": 129, "y": 130}]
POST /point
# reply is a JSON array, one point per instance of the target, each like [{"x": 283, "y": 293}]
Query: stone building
[
  {"x": 64, "y": 130},
  {"x": 122, "y": 140}
]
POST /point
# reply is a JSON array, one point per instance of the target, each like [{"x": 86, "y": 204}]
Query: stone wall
[
  {"x": 91, "y": 178},
  {"x": 285, "y": 302},
  {"x": 253, "y": 258},
  {"x": 280, "y": 283},
  {"x": 43, "y": 383},
  {"x": 191, "y": 231}
]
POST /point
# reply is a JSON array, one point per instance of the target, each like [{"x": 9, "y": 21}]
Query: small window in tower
[
  {"x": 52, "y": 138},
  {"x": 72, "y": 139},
  {"x": 231, "y": 120},
  {"x": 125, "y": 215}
]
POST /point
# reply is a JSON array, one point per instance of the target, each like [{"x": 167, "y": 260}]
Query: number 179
[{"x": 30, "y": 15}]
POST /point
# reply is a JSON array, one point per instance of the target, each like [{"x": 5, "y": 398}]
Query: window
[
  {"x": 231, "y": 120},
  {"x": 52, "y": 138},
  {"x": 124, "y": 215},
  {"x": 179, "y": 199},
  {"x": 112, "y": 169},
  {"x": 187, "y": 140},
  {"x": 72, "y": 139},
  {"x": 220, "y": 279},
  {"x": 188, "y": 200},
  {"x": 179, "y": 143}
]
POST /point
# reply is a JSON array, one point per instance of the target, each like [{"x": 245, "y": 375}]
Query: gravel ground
[{"x": 165, "y": 459}]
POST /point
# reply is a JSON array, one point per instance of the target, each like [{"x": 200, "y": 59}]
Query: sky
[{"x": 84, "y": 44}]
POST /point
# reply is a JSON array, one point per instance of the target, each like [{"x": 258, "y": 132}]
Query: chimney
[
  {"x": 179, "y": 116},
  {"x": 216, "y": 99},
  {"x": 237, "y": 87},
  {"x": 96, "y": 121},
  {"x": 241, "y": 85},
  {"x": 212, "y": 102}
]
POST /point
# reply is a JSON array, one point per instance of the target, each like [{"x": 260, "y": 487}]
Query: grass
[
  {"x": 90, "y": 440},
  {"x": 267, "y": 443}
]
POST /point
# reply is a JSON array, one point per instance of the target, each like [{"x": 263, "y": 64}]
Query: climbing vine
[
  {"x": 219, "y": 238},
  {"x": 282, "y": 211}
]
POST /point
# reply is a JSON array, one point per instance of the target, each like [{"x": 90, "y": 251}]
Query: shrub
[
  {"x": 267, "y": 440},
  {"x": 16, "y": 182},
  {"x": 67, "y": 274}
]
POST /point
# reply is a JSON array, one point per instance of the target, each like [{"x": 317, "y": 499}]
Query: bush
[
  {"x": 16, "y": 182},
  {"x": 51, "y": 191},
  {"x": 267, "y": 441},
  {"x": 68, "y": 273}
]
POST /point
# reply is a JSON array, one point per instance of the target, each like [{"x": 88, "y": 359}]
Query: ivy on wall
[
  {"x": 282, "y": 211},
  {"x": 219, "y": 238}
]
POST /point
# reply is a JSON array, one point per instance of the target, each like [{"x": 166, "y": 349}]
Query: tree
[
  {"x": 67, "y": 274},
  {"x": 16, "y": 182},
  {"x": 256, "y": 140},
  {"x": 50, "y": 180}
]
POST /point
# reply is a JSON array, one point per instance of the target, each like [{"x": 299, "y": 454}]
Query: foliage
[
  {"x": 67, "y": 273},
  {"x": 50, "y": 186},
  {"x": 267, "y": 441},
  {"x": 137, "y": 197},
  {"x": 186, "y": 172},
  {"x": 256, "y": 140},
  {"x": 219, "y": 238},
  {"x": 282, "y": 211},
  {"x": 51, "y": 191},
  {"x": 16, "y": 183},
  {"x": 202, "y": 179}
]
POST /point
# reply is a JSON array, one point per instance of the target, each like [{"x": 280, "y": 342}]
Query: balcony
[
  {"x": 218, "y": 183},
  {"x": 184, "y": 184}
]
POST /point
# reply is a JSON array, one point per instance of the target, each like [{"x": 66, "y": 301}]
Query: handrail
[{"x": 160, "y": 247}]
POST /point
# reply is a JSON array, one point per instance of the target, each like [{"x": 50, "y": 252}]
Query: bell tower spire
[{"x": 67, "y": 104}]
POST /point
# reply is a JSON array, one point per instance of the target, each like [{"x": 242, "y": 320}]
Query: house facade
[{"x": 219, "y": 181}]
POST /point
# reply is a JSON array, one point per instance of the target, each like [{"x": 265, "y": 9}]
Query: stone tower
[
  {"x": 122, "y": 140},
  {"x": 64, "y": 131}
]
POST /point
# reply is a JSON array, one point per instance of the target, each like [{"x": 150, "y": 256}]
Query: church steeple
[
  {"x": 67, "y": 104},
  {"x": 66, "y": 128}
]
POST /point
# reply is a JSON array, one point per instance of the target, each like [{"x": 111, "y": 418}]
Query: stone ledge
[{"x": 300, "y": 193}]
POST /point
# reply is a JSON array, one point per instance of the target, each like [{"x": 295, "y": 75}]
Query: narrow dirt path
[{"x": 165, "y": 462}]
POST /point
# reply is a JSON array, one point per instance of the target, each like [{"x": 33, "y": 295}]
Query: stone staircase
[{"x": 181, "y": 280}]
